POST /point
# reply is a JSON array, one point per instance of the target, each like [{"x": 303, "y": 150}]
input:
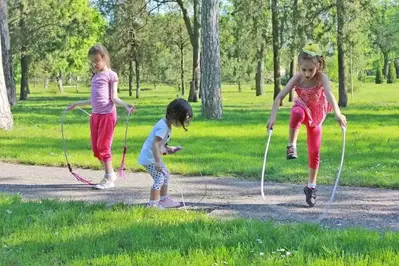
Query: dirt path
[{"x": 376, "y": 209}]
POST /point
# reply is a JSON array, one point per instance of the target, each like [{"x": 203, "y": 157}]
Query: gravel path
[{"x": 376, "y": 209}]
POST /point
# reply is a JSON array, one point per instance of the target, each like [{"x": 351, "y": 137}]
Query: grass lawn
[
  {"x": 74, "y": 233},
  {"x": 233, "y": 146}
]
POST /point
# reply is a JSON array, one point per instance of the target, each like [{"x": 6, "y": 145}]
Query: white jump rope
[{"x": 325, "y": 212}]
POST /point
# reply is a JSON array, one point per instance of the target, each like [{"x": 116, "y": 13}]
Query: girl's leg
[
  {"x": 159, "y": 179},
  {"x": 314, "y": 143},
  {"x": 94, "y": 120},
  {"x": 297, "y": 117},
  {"x": 165, "y": 200}
]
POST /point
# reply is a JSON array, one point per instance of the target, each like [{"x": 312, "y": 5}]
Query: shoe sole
[{"x": 292, "y": 158}]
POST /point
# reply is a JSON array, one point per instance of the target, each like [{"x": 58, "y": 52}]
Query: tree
[
  {"x": 343, "y": 93},
  {"x": 210, "y": 65},
  {"x": 61, "y": 29},
  {"x": 379, "y": 79},
  {"x": 384, "y": 28},
  {"x": 391, "y": 74},
  {"x": 194, "y": 33},
  {"x": 6, "y": 121},
  {"x": 276, "y": 47},
  {"x": 6, "y": 53}
]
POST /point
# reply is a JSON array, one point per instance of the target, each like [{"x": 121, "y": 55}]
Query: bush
[
  {"x": 378, "y": 77},
  {"x": 391, "y": 73}
]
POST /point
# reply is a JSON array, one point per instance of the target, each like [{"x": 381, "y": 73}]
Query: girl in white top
[{"x": 179, "y": 114}]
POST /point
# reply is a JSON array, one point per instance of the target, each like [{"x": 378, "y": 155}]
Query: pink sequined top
[{"x": 313, "y": 100}]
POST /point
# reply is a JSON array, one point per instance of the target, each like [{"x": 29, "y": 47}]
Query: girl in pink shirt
[
  {"x": 104, "y": 96},
  {"x": 314, "y": 101}
]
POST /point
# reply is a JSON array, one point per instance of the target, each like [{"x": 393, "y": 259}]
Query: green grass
[
  {"x": 232, "y": 146},
  {"x": 75, "y": 233}
]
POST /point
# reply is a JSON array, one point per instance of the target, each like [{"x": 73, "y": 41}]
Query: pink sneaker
[{"x": 169, "y": 203}]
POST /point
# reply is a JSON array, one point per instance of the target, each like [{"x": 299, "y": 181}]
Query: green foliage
[
  {"x": 391, "y": 74},
  {"x": 379, "y": 78},
  {"x": 57, "y": 34}
]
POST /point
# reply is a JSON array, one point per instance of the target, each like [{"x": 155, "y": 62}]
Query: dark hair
[
  {"x": 101, "y": 50},
  {"x": 179, "y": 110},
  {"x": 317, "y": 59}
]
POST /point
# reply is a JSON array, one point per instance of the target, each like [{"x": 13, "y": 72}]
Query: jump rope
[
  {"x": 121, "y": 171},
  {"x": 325, "y": 212}
]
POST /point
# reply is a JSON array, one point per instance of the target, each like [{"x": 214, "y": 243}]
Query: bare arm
[
  {"x": 157, "y": 153},
  {"x": 290, "y": 85},
  {"x": 116, "y": 100},
  {"x": 80, "y": 103},
  {"x": 331, "y": 99}
]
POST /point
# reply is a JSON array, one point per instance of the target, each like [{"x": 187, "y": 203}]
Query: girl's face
[
  {"x": 186, "y": 122},
  {"x": 308, "y": 69},
  {"x": 98, "y": 62}
]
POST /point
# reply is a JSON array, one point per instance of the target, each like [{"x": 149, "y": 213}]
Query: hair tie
[{"x": 312, "y": 49}]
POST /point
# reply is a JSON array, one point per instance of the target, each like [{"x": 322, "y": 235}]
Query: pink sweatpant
[
  {"x": 298, "y": 117},
  {"x": 102, "y": 134}
]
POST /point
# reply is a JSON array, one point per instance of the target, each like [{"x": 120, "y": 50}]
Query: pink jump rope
[
  {"x": 325, "y": 212},
  {"x": 121, "y": 171}
]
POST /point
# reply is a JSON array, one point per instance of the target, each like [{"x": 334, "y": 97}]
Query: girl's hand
[
  {"x": 270, "y": 123},
  {"x": 158, "y": 166},
  {"x": 172, "y": 150},
  {"x": 341, "y": 120},
  {"x": 130, "y": 108},
  {"x": 72, "y": 106}
]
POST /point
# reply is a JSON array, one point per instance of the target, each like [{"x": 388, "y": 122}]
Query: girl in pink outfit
[
  {"x": 104, "y": 96},
  {"x": 314, "y": 101}
]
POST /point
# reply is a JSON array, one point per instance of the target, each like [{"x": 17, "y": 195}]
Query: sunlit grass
[
  {"x": 233, "y": 146},
  {"x": 75, "y": 233}
]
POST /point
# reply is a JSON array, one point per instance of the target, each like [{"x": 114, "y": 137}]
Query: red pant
[
  {"x": 102, "y": 134},
  {"x": 298, "y": 117}
]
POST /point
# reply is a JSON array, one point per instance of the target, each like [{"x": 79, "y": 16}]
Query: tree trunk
[
  {"x": 386, "y": 65},
  {"x": 137, "y": 65},
  {"x": 343, "y": 93},
  {"x": 130, "y": 77},
  {"x": 46, "y": 80},
  {"x": 6, "y": 54},
  {"x": 59, "y": 82},
  {"x": 193, "y": 95},
  {"x": 259, "y": 71},
  {"x": 276, "y": 47},
  {"x": 6, "y": 121},
  {"x": 182, "y": 69},
  {"x": 24, "y": 54},
  {"x": 24, "y": 76},
  {"x": 210, "y": 66},
  {"x": 194, "y": 33}
]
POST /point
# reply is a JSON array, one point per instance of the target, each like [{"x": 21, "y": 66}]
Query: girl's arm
[
  {"x": 331, "y": 99},
  {"x": 290, "y": 85},
  {"x": 157, "y": 153},
  {"x": 80, "y": 103},
  {"x": 116, "y": 100}
]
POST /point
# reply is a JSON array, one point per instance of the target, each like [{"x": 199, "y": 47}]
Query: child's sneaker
[
  {"x": 169, "y": 203},
  {"x": 310, "y": 195},
  {"x": 291, "y": 153},
  {"x": 104, "y": 184},
  {"x": 155, "y": 205}
]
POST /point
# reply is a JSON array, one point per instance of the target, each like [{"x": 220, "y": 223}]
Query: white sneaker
[
  {"x": 155, "y": 205},
  {"x": 104, "y": 184}
]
